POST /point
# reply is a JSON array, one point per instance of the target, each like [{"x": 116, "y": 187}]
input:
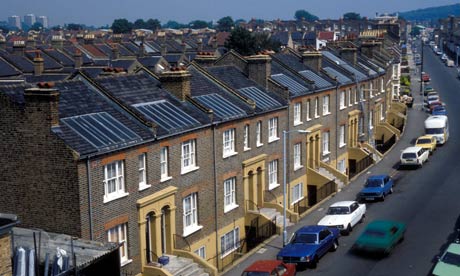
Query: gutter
[{"x": 90, "y": 209}]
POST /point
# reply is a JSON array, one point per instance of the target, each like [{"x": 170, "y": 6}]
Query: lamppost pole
[{"x": 456, "y": 56}]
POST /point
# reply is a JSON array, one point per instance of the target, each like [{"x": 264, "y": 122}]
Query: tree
[
  {"x": 153, "y": 24},
  {"x": 304, "y": 15},
  {"x": 37, "y": 26},
  {"x": 173, "y": 25},
  {"x": 238, "y": 22},
  {"x": 199, "y": 24},
  {"x": 351, "y": 16},
  {"x": 225, "y": 24},
  {"x": 121, "y": 26},
  {"x": 263, "y": 42},
  {"x": 241, "y": 41},
  {"x": 74, "y": 27},
  {"x": 139, "y": 24}
]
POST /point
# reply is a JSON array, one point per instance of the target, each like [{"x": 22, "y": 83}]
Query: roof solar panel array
[
  {"x": 221, "y": 106},
  {"x": 262, "y": 99},
  {"x": 291, "y": 84},
  {"x": 101, "y": 129},
  {"x": 319, "y": 81},
  {"x": 167, "y": 115}
]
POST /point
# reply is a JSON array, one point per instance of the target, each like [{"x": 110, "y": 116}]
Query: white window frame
[
  {"x": 230, "y": 194},
  {"x": 326, "y": 105},
  {"x": 382, "y": 116},
  {"x": 342, "y": 136},
  {"x": 296, "y": 193},
  {"x": 307, "y": 111},
  {"x": 188, "y": 156},
  {"x": 190, "y": 214},
  {"x": 371, "y": 94},
  {"x": 121, "y": 237},
  {"x": 362, "y": 96},
  {"x": 164, "y": 164},
  {"x": 356, "y": 95},
  {"x": 228, "y": 143},
  {"x": 246, "y": 140},
  {"x": 341, "y": 166},
  {"x": 297, "y": 156},
  {"x": 325, "y": 142},
  {"x": 142, "y": 168},
  {"x": 297, "y": 114},
  {"x": 349, "y": 97},
  {"x": 259, "y": 134},
  {"x": 229, "y": 242},
  {"x": 342, "y": 100},
  {"x": 201, "y": 252},
  {"x": 273, "y": 129},
  {"x": 117, "y": 179},
  {"x": 316, "y": 107},
  {"x": 371, "y": 119},
  {"x": 273, "y": 174}
]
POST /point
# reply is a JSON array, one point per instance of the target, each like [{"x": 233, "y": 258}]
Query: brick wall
[{"x": 5, "y": 255}]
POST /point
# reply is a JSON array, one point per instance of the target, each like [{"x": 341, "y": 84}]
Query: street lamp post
[
  {"x": 285, "y": 134},
  {"x": 456, "y": 56}
]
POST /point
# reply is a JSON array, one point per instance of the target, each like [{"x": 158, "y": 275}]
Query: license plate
[{"x": 369, "y": 198}]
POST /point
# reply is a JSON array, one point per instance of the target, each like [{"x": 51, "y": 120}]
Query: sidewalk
[{"x": 387, "y": 165}]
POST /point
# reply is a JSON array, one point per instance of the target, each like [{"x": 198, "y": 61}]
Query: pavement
[{"x": 387, "y": 165}]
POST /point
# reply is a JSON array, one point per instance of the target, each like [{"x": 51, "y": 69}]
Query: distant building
[
  {"x": 29, "y": 19},
  {"x": 43, "y": 20},
  {"x": 14, "y": 21}
]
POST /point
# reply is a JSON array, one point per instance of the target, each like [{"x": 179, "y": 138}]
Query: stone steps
[{"x": 179, "y": 266}]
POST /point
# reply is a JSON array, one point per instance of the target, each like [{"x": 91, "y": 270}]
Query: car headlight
[{"x": 303, "y": 259}]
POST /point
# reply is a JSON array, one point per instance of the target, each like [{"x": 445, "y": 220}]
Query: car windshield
[
  {"x": 424, "y": 141},
  {"x": 255, "y": 273},
  {"x": 409, "y": 155},
  {"x": 451, "y": 258},
  {"x": 338, "y": 211},
  {"x": 434, "y": 131},
  {"x": 374, "y": 233},
  {"x": 305, "y": 238},
  {"x": 374, "y": 183}
]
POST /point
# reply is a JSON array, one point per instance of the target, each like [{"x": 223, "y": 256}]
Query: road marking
[{"x": 262, "y": 250}]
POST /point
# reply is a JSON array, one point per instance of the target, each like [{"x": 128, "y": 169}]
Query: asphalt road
[{"x": 426, "y": 199}]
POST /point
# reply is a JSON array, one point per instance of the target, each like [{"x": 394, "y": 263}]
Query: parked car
[
  {"x": 427, "y": 89},
  {"x": 450, "y": 63},
  {"x": 425, "y": 77},
  {"x": 344, "y": 215},
  {"x": 431, "y": 99},
  {"x": 414, "y": 156},
  {"x": 380, "y": 236},
  {"x": 433, "y": 105},
  {"x": 308, "y": 244},
  {"x": 439, "y": 110},
  {"x": 376, "y": 187},
  {"x": 449, "y": 262},
  {"x": 432, "y": 93},
  {"x": 427, "y": 142},
  {"x": 270, "y": 268},
  {"x": 443, "y": 57}
]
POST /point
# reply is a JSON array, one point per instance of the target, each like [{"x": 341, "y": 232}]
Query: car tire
[
  {"x": 349, "y": 229},
  {"x": 362, "y": 218},
  {"x": 383, "y": 197},
  {"x": 391, "y": 190},
  {"x": 314, "y": 263},
  {"x": 334, "y": 246}
]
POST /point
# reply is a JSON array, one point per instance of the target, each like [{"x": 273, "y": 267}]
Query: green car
[
  {"x": 449, "y": 263},
  {"x": 380, "y": 236}
]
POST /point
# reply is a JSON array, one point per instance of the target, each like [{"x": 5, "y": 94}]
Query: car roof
[
  {"x": 311, "y": 229},
  {"x": 383, "y": 224},
  {"x": 425, "y": 137},
  {"x": 263, "y": 265},
  {"x": 343, "y": 203},
  {"x": 378, "y": 176},
  {"x": 412, "y": 149},
  {"x": 454, "y": 248}
]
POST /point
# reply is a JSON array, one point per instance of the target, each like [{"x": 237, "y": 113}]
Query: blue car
[
  {"x": 308, "y": 244},
  {"x": 439, "y": 110},
  {"x": 376, "y": 187}
]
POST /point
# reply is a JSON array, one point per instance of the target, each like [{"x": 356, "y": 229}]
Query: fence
[
  {"x": 326, "y": 190},
  {"x": 361, "y": 165},
  {"x": 382, "y": 147}
]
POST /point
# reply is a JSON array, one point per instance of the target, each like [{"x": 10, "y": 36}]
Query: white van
[{"x": 438, "y": 127}]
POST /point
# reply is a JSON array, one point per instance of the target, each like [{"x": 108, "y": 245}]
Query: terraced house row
[{"x": 189, "y": 162}]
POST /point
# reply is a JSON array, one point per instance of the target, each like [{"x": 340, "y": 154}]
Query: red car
[
  {"x": 270, "y": 268},
  {"x": 425, "y": 77}
]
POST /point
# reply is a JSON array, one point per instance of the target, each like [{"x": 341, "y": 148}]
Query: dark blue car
[
  {"x": 376, "y": 187},
  {"x": 439, "y": 110},
  {"x": 308, "y": 244}
]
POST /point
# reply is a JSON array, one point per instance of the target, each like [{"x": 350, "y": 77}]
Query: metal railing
[
  {"x": 361, "y": 165},
  {"x": 326, "y": 190},
  {"x": 301, "y": 206},
  {"x": 385, "y": 146},
  {"x": 251, "y": 204}
]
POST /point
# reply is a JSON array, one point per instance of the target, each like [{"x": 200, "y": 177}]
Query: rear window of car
[
  {"x": 338, "y": 210},
  {"x": 374, "y": 182},
  {"x": 305, "y": 238},
  {"x": 374, "y": 233},
  {"x": 409, "y": 155},
  {"x": 256, "y": 273},
  {"x": 423, "y": 141}
]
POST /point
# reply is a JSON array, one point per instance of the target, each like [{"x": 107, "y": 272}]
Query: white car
[
  {"x": 344, "y": 215},
  {"x": 414, "y": 156}
]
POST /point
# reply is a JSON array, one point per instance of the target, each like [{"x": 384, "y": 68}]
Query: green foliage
[
  {"x": 121, "y": 26},
  {"x": 174, "y": 25},
  {"x": 199, "y": 24},
  {"x": 351, "y": 16},
  {"x": 247, "y": 43},
  {"x": 225, "y": 24},
  {"x": 415, "y": 31},
  {"x": 431, "y": 14},
  {"x": 304, "y": 15},
  {"x": 263, "y": 42},
  {"x": 150, "y": 24},
  {"x": 74, "y": 27},
  {"x": 139, "y": 24},
  {"x": 239, "y": 21},
  {"x": 405, "y": 81}
]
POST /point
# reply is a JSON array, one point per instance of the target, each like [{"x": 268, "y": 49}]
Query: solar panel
[
  {"x": 319, "y": 81},
  {"x": 291, "y": 84},
  {"x": 166, "y": 115},
  {"x": 101, "y": 129},
  {"x": 370, "y": 71},
  {"x": 262, "y": 99},
  {"x": 334, "y": 73},
  {"x": 221, "y": 106}
]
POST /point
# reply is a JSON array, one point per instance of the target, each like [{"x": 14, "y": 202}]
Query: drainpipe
[
  {"x": 90, "y": 209},
  {"x": 337, "y": 108},
  {"x": 215, "y": 188}
]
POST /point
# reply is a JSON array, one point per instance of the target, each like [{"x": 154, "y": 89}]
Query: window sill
[
  {"x": 226, "y": 155},
  {"x": 166, "y": 178},
  {"x": 246, "y": 149},
  {"x": 308, "y": 119},
  {"x": 298, "y": 123},
  {"x": 342, "y": 107},
  {"x": 326, "y": 153},
  {"x": 296, "y": 168},
  {"x": 191, "y": 229},
  {"x": 325, "y": 114},
  {"x": 273, "y": 186},
  {"x": 273, "y": 139},
  {"x": 341, "y": 145},
  {"x": 228, "y": 253},
  {"x": 228, "y": 208},
  {"x": 259, "y": 145},
  {"x": 316, "y": 116},
  {"x": 144, "y": 187},
  {"x": 123, "y": 263},
  {"x": 295, "y": 201},
  {"x": 114, "y": 197},
  {"x": 187, "y": 170}
]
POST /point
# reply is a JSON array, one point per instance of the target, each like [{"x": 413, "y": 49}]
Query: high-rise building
[
  {"x": 43, "y": 20},
  {"x": 29, "y": 19},
  {"x": 14, "y": 21}
]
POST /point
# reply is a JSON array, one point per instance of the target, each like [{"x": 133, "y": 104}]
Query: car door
[
  {"x": 387, "y": 184},
  {"x": 354, "y": 213},
  {"x": 325, "y": 241},
  {"x": 394, "y": 235}
]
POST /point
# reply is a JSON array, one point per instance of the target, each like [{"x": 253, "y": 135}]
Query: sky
[{"x": 102, "y": 12}]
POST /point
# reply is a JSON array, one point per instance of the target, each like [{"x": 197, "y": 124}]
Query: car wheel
[
  {"x": 314, "y": 262},
  {"x": 391, "y": 190},
  {"x": 335, "y": 245},
  {"x": 383, "y": 197},
  {"x": 349, "y": 229},
  {"x": 362, "y": 218}
]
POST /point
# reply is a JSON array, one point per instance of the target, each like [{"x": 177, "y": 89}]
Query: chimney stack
[
  {"x": 259, "y": 68},
  {"x": 200, "y": 44},
  {"x": 350, "y": 54},
  {"x": 115, "y": 52},
  {"x": 78, "y": 58},
  {"x": 19, "y": 47},
  {"x": 39, "y": 66},
  {"x": 205, "y": 59},
  {"x": 313, "y": 59},
  {"x": 177, "y": 81},
  {"x": 44, "y": 100},
  {"x": 57, "y": 42}
]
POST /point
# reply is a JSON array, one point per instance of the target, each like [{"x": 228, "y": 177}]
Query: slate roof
[
  {"x": 71, "y": 49},
  {"x": 45, "y": 77},
  {"x": 48, "y": 62},
  {"x": 63, "y": 59},
  {"x": 20, "y": 62},
  {"x": 6, "y": 70},
  {"x": 149, "y": 61},
  {"x": 93, "y": 51},
  {"x": 350, "y": 70},
  {"x": 295, "y": 84},
  {"x": 282, "y": 37}
]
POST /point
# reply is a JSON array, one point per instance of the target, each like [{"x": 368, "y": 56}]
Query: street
[{"x": 426, "y": 199}]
